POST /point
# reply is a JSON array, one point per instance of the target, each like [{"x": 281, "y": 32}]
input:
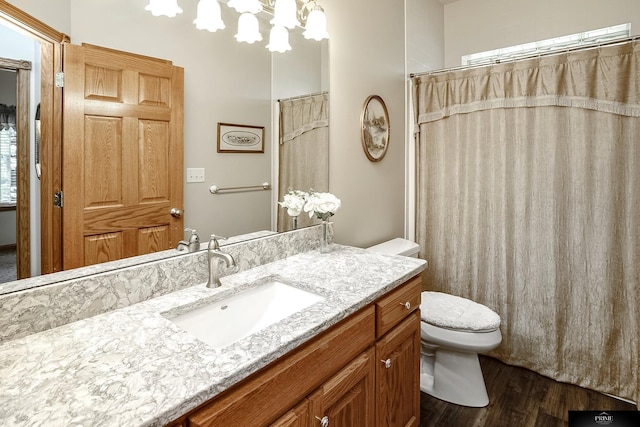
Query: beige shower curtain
[
  {"x": 529, "y": 202},
  {"x": 304, "y": 150}
]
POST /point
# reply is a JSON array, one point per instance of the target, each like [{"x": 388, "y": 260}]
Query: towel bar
[{"x": 214, "y": 189}]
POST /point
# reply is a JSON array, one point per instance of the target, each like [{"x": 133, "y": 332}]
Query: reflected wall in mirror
[
  {"x": 225, "y": 81},
  {"x": 301, "y": 86}
]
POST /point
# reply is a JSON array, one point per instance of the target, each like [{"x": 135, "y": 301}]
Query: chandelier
[{"x": 286, "y": 16}]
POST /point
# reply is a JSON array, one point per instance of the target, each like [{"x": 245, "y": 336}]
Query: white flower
[
  {"x": 294, "y": 201},
  {"x": 322, "y": 205}
]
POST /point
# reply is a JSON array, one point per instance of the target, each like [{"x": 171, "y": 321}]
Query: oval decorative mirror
[{"x": 374, "y": 128}]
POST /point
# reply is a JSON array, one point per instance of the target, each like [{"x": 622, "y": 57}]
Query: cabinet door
[
  {"x": 297, "y": 417},
  {"x": 398, "y": 375},
  {"x": 346, "y": 399}
]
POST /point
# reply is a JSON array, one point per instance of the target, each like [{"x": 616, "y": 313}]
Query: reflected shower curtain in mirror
[
  {"x": 528, "y": 201},
  {"x": 304, "y": 151}
]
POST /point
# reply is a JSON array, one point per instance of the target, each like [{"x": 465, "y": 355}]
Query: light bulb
[
  {"x": 243, "y": 6},
  {"x": 285, "y": 14},
  {"x": 209, "y": 16},
  {"x": 279, "y": 39},
  {"x": 168, "y": 8},
  {"x": 316, "y": 27},
  {"x": 248, "y": 29}
]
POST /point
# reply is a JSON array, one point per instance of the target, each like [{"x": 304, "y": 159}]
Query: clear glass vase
[{"x": 324, "y": 236}]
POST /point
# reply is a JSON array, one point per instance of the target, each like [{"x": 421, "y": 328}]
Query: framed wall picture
[
  {"x": 234, "y": 138},
  {"x": 374, "y": 128}
]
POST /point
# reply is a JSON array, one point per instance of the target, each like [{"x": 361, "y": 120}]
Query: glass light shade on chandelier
[
  {"x": 279, "y": 39},
  {"x": 168, "y": 8},
  {"x": 285, "y": 14},
  {"x": 248, "y": 29},
  {"x": 242, "y": 6},
  {"x": 316, "y": 27},
  {"x": 209, "y": 16}
]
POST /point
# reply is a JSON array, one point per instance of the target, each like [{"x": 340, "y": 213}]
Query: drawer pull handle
[
  {"x": 406, "y": 305},
  {"x": 387, "y": 363},
  {"x": 324, "y": 421}
]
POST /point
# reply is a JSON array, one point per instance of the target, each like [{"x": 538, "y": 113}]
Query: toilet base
[{"x": 457, "y": 378}]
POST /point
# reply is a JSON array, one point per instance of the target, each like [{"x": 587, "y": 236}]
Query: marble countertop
[{"x": 135, "y": 367}]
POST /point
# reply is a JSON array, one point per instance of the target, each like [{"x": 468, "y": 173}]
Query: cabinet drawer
[{"x": 396, "y": 305}]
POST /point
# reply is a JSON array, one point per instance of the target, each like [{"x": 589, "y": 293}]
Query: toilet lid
[{"x": 453, "y": 312}]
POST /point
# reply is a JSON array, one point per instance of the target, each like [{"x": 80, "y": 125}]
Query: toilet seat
[
  {"x": 457, "y": 313},
  {"x": 473, "y": 342}
]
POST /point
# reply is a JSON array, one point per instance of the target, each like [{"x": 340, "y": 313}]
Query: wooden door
[
  {"x": 398, "y": 375},
  {"x": 346, "y": 399},
  {"x": 122, "y": 155}
]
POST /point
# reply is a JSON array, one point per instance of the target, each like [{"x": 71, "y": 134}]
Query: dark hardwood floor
[{"x": 517, "y": 398}]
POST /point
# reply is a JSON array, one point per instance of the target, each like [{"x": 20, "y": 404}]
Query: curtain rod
[
  {"x": 324, "y": 92},
  {"x": 537, "y": 55}
]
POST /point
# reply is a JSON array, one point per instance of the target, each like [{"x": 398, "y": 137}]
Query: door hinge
[
  {"x": 58, "y": 199},
  {"x": 59, "y": 79}
]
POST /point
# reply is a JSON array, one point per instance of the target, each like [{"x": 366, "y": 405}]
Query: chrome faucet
[
  {"x": 214, "y": 254},
  {"x": 193, "y": 244}
]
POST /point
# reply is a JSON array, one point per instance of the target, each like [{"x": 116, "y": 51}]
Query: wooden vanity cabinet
[{"x": 364, "y": 371}]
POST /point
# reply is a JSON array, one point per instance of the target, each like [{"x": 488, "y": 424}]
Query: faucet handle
[
  {"x": 213, "y": 243},
  {"x": 194, "y": 235}
]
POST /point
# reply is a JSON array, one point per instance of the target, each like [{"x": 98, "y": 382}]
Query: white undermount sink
[{"x": 226, "y": 321}]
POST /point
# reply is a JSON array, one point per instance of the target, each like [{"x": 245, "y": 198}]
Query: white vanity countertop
[{"x": 135, "y": 367}]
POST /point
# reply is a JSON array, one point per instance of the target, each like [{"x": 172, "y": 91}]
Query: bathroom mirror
[{"x": 225, "y": 81}]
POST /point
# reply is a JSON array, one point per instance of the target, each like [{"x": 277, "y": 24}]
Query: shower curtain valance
[
  {"x": 303, "y": 115},
  {"x": 556, "y": 80}
]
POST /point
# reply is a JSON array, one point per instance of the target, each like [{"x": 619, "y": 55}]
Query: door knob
[{"x": 176, "y": 213}]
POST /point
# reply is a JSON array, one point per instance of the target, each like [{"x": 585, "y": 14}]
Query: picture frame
[
  {"x": 374, "y": 128},
  {"x": 235, "y": 138}
]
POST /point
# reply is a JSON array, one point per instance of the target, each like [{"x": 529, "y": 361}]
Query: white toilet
[{"x": 453, "y": 331}]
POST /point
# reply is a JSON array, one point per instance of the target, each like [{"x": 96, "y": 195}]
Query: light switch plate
[{"x": 195, "y": 174}]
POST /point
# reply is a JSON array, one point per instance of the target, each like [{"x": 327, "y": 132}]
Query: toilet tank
[{"x": 397, "y": 246}]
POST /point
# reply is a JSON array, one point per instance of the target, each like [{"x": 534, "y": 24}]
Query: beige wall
[
  {"x": 425, "y": 35},
  {"x": 366, "y": 57},
  {"x": 479, "y": 25},
  {"x": 55, "y": 13}
]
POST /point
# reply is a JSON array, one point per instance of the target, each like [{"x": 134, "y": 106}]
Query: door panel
[
  {"x": 102, "y": 248},
  {"x": 153, "y": 239},
  {"x": 122, "y": 155},
  {"x": 153, "y": 137},
  {"x": 347, "y": 399},
  {"x": 103, "y": 157}
]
